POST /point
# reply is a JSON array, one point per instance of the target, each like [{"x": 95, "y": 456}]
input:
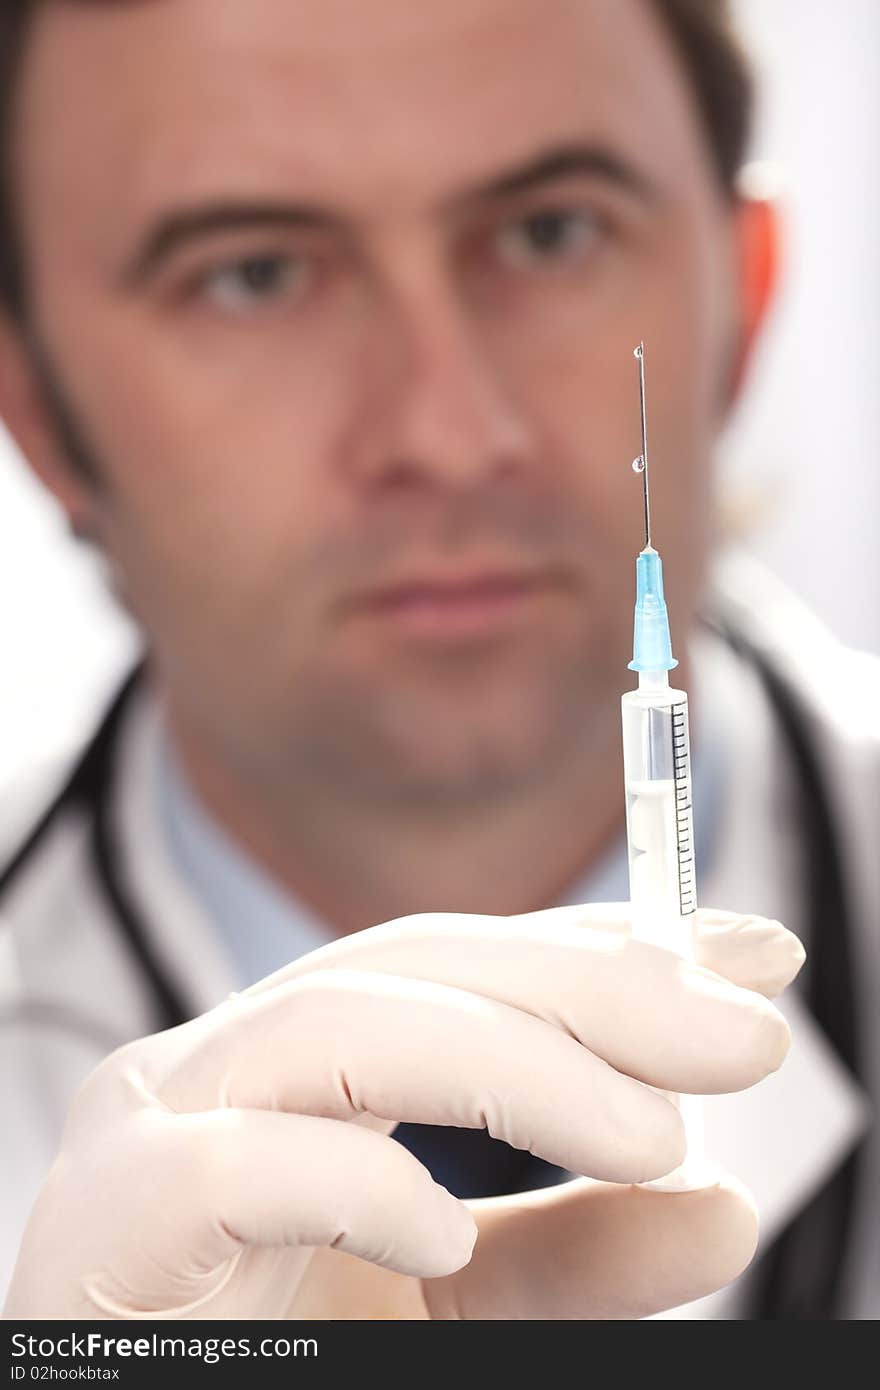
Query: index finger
[{"x": 648, "y": 1014}]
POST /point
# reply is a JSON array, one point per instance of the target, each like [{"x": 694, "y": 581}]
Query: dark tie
[{"x": 470, "y": 1163}]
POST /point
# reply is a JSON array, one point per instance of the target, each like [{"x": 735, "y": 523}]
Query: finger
[
  {"x": 338, "y": 1043},
  {"x": 337, "y": 1287},
  {"x": 236, "y": 1178},
  {"x": 590, "y": 1250},
  {"x": 672, "y": 1024},
  {"x": 754, "y": 952}
]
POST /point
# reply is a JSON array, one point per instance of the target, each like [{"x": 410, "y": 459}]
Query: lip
[{"x": 476, "y": 604}]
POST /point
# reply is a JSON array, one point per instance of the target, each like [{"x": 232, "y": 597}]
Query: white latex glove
[{"x": 234, "y": 1166}]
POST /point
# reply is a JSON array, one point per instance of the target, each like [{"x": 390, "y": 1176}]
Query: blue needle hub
[{"x": 652, "y": 645}]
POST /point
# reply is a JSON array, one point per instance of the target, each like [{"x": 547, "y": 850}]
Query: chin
[
  {"x": 481, "y": 753},
  {"x": 439, "y": 738}
]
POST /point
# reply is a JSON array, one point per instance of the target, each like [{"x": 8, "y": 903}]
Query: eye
[
  {"x": 255, "y": 280},
  {"x": 547, "y": 238}
]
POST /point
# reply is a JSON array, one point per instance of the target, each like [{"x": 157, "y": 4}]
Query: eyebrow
[
  {"x": 566, "y": 161},
  {"x": 175, "y": 229}
]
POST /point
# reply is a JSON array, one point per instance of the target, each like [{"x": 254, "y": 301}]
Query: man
[{"x": 320, "y": 323}]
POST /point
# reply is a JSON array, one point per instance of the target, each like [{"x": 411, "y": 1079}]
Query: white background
[{"x": 804, "y": 444}]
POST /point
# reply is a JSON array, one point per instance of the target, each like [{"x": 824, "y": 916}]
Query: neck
[{"x": 355, "y": 866}]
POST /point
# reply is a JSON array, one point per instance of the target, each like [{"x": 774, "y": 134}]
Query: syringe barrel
[
  {"x": 659, "y": 816},
  {"x": 660, "y": 841}
]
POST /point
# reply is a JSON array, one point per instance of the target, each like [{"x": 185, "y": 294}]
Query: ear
[
  {"x": 26, "y": 417},
  {"x": 757, "y": 224}
]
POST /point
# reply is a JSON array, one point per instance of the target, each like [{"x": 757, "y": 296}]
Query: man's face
[{"x": 343, "y": 296}]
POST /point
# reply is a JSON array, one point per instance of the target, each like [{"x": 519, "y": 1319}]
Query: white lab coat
[{"x": 59, "y": 944}]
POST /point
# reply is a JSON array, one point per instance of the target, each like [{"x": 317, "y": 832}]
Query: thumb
[{"x": 589, "y": 1250}]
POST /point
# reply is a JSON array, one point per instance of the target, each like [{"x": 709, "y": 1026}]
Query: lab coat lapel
[{"x": 787, "y": 1135}]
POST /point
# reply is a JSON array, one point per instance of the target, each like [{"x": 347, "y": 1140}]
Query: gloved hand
[{"x": 234, "y": 1167}]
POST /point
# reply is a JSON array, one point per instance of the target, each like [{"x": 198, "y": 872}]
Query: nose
[{"x": 434, "y": 409}]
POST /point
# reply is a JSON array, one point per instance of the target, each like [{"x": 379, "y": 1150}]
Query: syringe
[{"x": 657, "y": 776}]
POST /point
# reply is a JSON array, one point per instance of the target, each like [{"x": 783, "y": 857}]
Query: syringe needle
[{"x": 641, "y": 463}]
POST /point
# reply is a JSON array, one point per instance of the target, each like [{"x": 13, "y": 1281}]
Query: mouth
[{"x": 454, "y": 607}]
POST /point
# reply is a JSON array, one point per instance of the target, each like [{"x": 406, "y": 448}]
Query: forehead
[{"x": 126, "y": 105}]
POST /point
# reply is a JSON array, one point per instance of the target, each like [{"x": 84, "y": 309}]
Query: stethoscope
[{"x": 801, "y": 1276}]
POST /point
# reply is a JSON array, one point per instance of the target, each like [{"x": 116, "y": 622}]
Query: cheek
[
  {"x": 236, "y": 443},
  {"x": 584, "y": 391},
  {"x": 220, "y": 476},
  {"x": 686, "y": 372},
  {"x": 578, "y": 373}
]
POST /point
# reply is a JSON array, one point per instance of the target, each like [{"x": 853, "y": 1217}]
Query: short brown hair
[{"x": 702, "y": 30}]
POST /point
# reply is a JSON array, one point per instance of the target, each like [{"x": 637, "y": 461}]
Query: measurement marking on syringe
[{"x": 683, "y": 809}]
